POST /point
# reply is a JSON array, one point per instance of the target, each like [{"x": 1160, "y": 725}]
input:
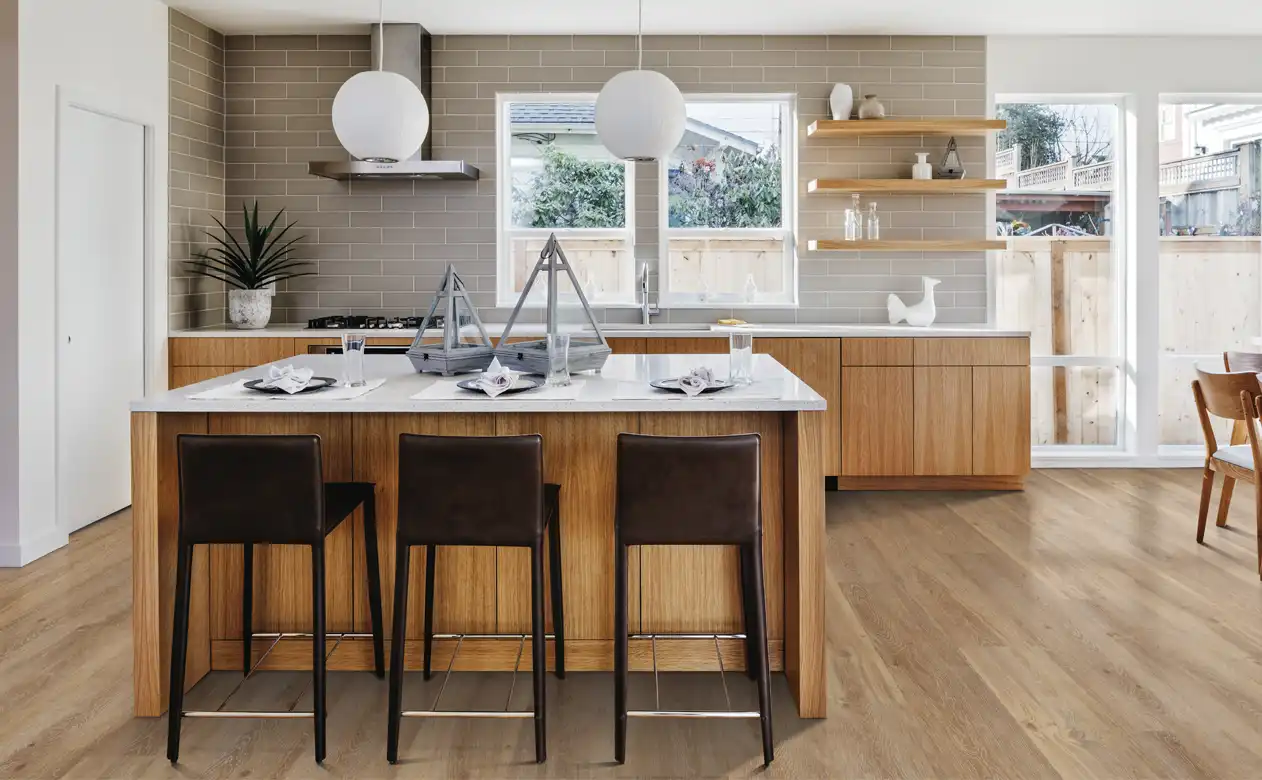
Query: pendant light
[
  {"x": 640, "y": 114},
  {"x": 380, "y": 116}
]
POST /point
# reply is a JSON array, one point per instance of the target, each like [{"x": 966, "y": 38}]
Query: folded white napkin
[
  {"x": 496, "y": 379},
  {"x": 696, "y": 381},
  {"x": 291, "y": 380}
]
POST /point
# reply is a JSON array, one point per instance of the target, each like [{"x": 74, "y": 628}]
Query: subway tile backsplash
[{"x": 381, "y": 247}]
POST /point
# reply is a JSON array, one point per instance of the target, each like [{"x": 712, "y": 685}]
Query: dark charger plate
[
  {"x": 317, "y": 383},
  {"x": 523, "y": 384},
  {"x": 673, "y": 385}
]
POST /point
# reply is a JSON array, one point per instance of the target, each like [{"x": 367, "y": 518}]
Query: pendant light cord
[
  {"x": 639, "y": 37},
  {"x": 381, "y": 34}
]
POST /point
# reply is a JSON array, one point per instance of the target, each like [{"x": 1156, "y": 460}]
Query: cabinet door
[
  {"x": 693, "y": 346},
  {"x": 943, "y": 421},
  {"x": 876, "y": 421},
  {"x": 1001, "y": 420},
  {"x": 627, "y": 346},
  {"x": 183, "y": 376}
]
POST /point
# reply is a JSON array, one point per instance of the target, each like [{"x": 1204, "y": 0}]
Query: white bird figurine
[{"x": 921, "y": 314}]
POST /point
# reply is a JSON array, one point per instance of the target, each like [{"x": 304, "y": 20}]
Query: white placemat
[
  {"x": 236, "y": 391},
  {"x": 642, "y": 391},
  {"x": 445, "y": 389}
]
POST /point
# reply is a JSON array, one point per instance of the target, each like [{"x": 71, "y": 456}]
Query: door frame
[{"x": 81, "y": 100}]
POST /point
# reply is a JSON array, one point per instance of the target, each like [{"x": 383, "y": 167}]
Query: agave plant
[{"x": 264, "y": 258}]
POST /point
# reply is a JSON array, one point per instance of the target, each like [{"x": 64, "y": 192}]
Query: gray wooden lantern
[
  {"x": 532, "y": 356},
  {"x": 451, "y": 356}
]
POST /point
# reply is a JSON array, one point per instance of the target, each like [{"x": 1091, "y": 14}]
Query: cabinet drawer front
[
  {"x": 973, "y": 352},
  {"x": 243, "y": 351},
  {"x": 876, "y": 352}
]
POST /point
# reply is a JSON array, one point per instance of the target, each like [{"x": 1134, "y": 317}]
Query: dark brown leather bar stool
[
  {"x": 264, "y": 490},
  {"x": 445, "y": 499},
  {"x": 704, "y": 490}
]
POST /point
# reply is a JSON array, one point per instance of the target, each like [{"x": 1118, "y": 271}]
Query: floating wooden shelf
[
  {"x": 909, "y": 186},
  {"x": 844, "y": 128},
  {"x": 943, "y": 245}
]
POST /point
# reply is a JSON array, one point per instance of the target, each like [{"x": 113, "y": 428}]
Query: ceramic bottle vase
[
  {"x": 841, "y": 101},
  {"x": 871, "y": 108},
  {"x": 922, "y": 170}
]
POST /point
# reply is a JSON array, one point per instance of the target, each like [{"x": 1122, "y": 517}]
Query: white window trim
[
  {"x": 1123, "y": 269},
  {"x": 505, "y": 295},
  {"x": 788, "y": 201}
]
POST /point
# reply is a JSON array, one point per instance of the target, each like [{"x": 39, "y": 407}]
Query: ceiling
[{"x": 906, "y": 17}]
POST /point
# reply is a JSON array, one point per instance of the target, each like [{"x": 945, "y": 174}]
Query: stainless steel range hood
[{"x": 408, "y": 50}]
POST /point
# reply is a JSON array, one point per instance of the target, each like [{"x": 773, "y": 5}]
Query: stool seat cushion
[{"x": 1237, "y": 455}]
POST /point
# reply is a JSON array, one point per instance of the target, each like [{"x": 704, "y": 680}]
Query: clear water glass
[
  {"x": 559, "y": 360},
  {"x": 353, "y": 358},
  {"x": 741, "y": 358}
]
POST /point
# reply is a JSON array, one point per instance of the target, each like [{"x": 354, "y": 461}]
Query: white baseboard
[{"x": 17, "y": 555}]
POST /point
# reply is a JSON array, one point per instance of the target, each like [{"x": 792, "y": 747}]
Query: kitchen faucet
[{"x": 646, "y": 311}]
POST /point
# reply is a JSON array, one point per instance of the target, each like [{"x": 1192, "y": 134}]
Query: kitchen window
[
  {"x": 726, "y": 205},
  {"x": 556, "y": 177}
]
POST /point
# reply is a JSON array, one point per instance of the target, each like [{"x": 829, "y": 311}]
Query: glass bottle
[
  {"x": 854, "y": 220},
  {"x": 874, "y": 223}
]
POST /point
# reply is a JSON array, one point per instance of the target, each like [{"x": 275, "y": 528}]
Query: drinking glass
[
  {"x": 559, "y": 360},
  {"x": 353, "y": 358},
  {"x": 741, "y": 358}
]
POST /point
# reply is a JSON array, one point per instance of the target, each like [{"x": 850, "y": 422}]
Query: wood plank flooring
[{"x": 1075, "y": 630}]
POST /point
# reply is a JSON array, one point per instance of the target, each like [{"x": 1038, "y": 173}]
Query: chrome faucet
[{"x": 646, "y": 311}]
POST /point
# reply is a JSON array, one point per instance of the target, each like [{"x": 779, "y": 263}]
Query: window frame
[
  {"x": 787, "y": 231},
  {"x": 1122, "y": 269},
  {"x": 505, "y": 232}
]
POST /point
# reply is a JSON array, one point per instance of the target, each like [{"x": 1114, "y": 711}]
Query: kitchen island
[{"x": 486, "y": 590}]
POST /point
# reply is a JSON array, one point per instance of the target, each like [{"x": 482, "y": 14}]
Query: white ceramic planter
[{"x": 249, "y": 309}]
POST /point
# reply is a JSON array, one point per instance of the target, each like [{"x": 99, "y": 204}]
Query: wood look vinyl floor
[{"x": 1075, "y": 630}]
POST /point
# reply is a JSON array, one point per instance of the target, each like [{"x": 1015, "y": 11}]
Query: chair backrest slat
[
  {"x": 1243, "y": 361},
  {"x": 1221, "y": 393}
]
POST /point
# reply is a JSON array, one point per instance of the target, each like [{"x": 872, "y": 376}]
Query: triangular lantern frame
[
  {"x": 451, "y": 357},
  {"x": 532, "y": 356}
]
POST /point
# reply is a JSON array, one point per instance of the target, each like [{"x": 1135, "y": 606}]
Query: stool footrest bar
[
  {"x": 687, "y": 636},
  {"x": 489, "y": 636},
  {"x": 244, "y": 714},
  {"x": 691, "y": 714},
  {"x": 465, "y": 714}
]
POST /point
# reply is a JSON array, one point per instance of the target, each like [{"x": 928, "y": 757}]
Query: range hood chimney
[{"x": 408, "y": 50}]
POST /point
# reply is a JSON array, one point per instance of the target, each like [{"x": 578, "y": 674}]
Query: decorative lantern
[
  {"x": 532, "y": 356},
  {"x": 452, "y": 355},
  {"x": 640, "y": 114},
  {"x": 378, "y": 116}
]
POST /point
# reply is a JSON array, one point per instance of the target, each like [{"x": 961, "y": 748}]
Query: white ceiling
[{"x": 906, "y": 17}]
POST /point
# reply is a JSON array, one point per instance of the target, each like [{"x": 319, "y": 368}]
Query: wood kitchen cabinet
[
  {"x": 943, "y": 421},
  {"x": 1001, "y": 420},
  {"x": 877, "y": 436}
]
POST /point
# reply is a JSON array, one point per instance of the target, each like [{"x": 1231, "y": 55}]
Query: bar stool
[
  {"x": 704, "y": 490},
  {"x": 444, "y": 500},
  {"x": 264, "y": 490}
]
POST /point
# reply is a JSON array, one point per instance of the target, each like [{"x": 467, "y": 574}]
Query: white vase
[
  {"x": 922, "y": 170},
  {"x": 249, "y": 309},
  {"x": 871, "y": 108},
  {"x": 841, "y": 101}
]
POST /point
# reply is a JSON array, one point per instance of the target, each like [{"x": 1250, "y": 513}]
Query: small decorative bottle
[
  {"x": 854, "y": 220},
  {"x": 922, "y": 170},
  {"x": 874, "y": 223}
]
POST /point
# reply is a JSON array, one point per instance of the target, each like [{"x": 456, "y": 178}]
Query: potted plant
[{"x": 250, "y": 268}]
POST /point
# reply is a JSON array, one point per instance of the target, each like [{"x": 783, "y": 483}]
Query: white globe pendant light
[
  {"x": 380, "y": 116},
  {"x": 640, "y": 114}
]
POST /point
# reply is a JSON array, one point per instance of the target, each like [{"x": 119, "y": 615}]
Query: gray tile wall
[
  {"x": 197, "y": 165},
  {"x": 380, "y": 247}
]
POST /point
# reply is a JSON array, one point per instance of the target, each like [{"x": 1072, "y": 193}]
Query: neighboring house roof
[{"x": 581, "y": 117}]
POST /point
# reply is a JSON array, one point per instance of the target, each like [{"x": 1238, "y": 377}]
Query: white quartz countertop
[
  {"x": 664, "y": 330},
  {"x": 599, "y": 393}
]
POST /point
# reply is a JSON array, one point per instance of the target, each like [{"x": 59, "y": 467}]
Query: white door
[{"x": 100, "y": 311}]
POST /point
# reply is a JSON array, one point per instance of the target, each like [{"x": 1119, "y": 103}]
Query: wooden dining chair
[
  {"x": 1236, "y": 361},
  {"x": 1233, "y": 396}
]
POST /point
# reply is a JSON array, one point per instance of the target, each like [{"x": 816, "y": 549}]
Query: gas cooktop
[{"x": 362, "y": 322}]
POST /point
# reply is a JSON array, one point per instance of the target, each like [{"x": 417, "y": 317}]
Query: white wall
[
  {"x": 1139, "y": 71},
  {"x": 9, "y": 537},
  {"x": 113, "y": 57}
]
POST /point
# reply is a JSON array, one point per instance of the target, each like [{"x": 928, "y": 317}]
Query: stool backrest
[
  {"x": 689, "y": 489},
  {"x": 239, "y": 489},
  {"x": 471, "y": 490}
]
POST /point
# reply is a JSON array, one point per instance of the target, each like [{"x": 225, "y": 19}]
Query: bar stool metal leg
[
  {"x": 374, "y": 586},
  {"x": 620, "y": 652},
  {"x": 318, "y": 649},
  {"x": 247, "y": 610},
  {"x": 179, "y": 648},
  {"x": 431, "y": 563},
  {"x": 397, "y": 640},
  {"x": 558, "y": 605},
  {"x": 759, "y": 630},
  {"x": 538, "y": 643}
]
